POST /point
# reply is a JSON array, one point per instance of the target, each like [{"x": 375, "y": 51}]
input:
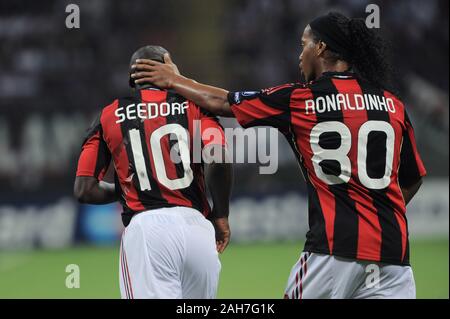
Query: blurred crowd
[{"x": 54, "y": 80}]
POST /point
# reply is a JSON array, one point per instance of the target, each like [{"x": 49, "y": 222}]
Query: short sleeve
[
  {"x": 268, "y": 107},
  {"x": 95, "y": 156},
  {"x": 411, "y": 165}
]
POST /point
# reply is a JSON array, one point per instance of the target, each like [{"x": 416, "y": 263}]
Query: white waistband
[{"x": 178, "y": 213}]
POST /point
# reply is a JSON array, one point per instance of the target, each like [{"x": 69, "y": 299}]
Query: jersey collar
[{"x": 345, "y": 74}]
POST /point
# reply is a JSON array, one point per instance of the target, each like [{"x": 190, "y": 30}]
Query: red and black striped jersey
[
  {"x": 151, "y": 139},
  {"x": 356, "y": 148}
]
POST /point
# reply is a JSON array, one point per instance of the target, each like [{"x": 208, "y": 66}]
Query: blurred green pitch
[{"x": 248, "y": 271}]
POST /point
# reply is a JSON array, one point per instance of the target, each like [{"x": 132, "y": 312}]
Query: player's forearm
[
  {"x": 90, "y": 191},
  {"x": 411, "y": 191},
  {"x": 212, "y": 99},
  {"x": 219, "y": 178}
]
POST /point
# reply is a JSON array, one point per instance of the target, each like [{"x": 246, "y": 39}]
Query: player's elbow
[
  {"x": 81, "y": 189},
  {"x": 216, "y": 104},
  {"x": 80, "y": 193}
]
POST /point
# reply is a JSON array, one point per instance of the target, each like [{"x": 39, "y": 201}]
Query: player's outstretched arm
[
  {"x": 219, "y": 179},
  {"x": 89, "y": 190},
  {"x": 166, "y": 76}
]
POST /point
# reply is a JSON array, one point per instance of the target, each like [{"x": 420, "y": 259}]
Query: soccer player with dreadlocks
[{"x": 356, "y": 148}]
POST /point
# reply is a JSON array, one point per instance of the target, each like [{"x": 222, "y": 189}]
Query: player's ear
[{"x": 320, "y": 48}]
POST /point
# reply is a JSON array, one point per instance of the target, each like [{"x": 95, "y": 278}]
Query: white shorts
[
  {"x": 169, "y": 253},
  {"x": 318, "y": 276}
]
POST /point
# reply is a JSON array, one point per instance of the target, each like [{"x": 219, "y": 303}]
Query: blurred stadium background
[{"x": 54, "y": 80}]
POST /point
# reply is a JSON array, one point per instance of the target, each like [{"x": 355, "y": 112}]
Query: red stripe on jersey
[
  {"x": 369, "y": 229},
  {"x": 305, "y": 270},
  {"x": 128, "y": 275},
  {"x": 114, "y": 139},
  {"x": 302, "y": 124},
  {"x": 328, "y": 204},
  {"x": 394, "y": 192},
  {"x": 174, "y": 197},
  {"x": 122, "y": 267},
  {"x": 88, "y": 158}
]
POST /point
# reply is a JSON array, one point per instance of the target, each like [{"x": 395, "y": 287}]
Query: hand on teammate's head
[{"x": 153, "y": 72}]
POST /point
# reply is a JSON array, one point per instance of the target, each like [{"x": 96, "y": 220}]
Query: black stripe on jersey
[
  {"x": 192, "y": 192},
  {"x": 409, "y": 172},
  {"x": 316, "y": 237},
  {"x": 153, "y": 198},
  {"x": 279, "y": 100},
  {"x": 345, "y": 239},
  {"x": 103, "y": 155},
  {"x": 391, "y": 236}
]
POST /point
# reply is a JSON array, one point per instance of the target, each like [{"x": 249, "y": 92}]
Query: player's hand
[
  {"x": 222, "y": 233},
  {"x": 160, "y": 74}
]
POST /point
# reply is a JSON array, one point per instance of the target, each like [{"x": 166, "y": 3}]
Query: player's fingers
[
  {"x": 220, "y": 246},
  {"x": 143, "y": 67},
  {"x": 225, "y": 243},
  {"x": 144, "y": 80},
  {"x": 141, "y": 74},
  {"x": 147, "y": 61}
]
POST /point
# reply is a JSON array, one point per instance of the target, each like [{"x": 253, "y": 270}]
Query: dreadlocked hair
[{"x": 370, "y": 57}]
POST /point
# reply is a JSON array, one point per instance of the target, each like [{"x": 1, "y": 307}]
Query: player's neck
[{"x": 337, "y": 66}]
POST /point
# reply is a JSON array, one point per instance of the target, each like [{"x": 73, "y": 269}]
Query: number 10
[{"x": 158, "y": 159}]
